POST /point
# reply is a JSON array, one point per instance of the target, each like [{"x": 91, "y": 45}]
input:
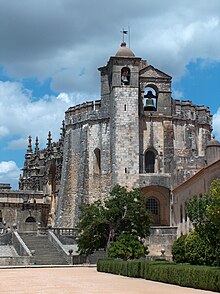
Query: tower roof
[
  {"x": 124, "y": 51},
  {"x": 213, "y": 142}
]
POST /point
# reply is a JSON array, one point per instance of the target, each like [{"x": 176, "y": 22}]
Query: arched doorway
[{"x": 157, "y": 201}]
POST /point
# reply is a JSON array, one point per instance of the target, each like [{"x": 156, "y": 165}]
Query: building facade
[
  {"x": 136, "y": 135},
  {"x": 197, "y": 185}
]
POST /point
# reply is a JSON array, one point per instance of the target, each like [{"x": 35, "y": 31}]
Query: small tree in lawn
[{"x": 101, "y": 223}]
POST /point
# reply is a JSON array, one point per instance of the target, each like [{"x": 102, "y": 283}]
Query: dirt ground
[{"x": 80, "y": 280}]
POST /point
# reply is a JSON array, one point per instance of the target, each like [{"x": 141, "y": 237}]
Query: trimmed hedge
[{"x": 199, "y": 277}]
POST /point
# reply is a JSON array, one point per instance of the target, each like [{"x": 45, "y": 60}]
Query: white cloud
[
  {"x": 17, "y": 144},
  {"x": 3, "y": 131},
  {"x": 9, "y": 173},
  {"x": 74, "y": 37},
  {"x": 216, "y": 124},
  {"x": 20, "y": 116},
  {"x": 177, "y": 95},
  {"x": 7, "y": 166}
]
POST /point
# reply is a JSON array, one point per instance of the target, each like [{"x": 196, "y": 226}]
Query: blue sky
[{"x": 51, "y": 49}]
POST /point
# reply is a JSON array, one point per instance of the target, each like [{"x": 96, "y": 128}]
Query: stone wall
[{"x": 17, "y": 206}]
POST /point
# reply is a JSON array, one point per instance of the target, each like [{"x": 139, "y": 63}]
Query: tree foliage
[
  {"x": 127, "y": 247},
  {"x": 101, "y": 222},
  {"x": 179, "y": 250},
  {"x": 198, "y": 250},
  {"x": 204, "y": 213}
]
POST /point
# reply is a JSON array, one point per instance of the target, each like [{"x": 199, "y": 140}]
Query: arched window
[
  {"x": 150, "y": 161},
  {"x": 125, "y": 76},
  {"x": 97, "y": 153},
  {"x": 30, "y": 219},
  {"x": 150, "y": 99},
  {"x": 152, "y": 205}
]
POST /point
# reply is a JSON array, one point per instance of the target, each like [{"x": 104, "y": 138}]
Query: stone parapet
[
  {"x": 83, "y": 112},
  {"x": 185, "y": 109},
  {"x": 155, "y": 179}
]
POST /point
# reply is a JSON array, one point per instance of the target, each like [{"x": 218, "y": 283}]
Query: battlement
[
  {"x": 83, "y": 112},
  {"x": 185, "y": 109},
  {"x": 84, "y": 107}
]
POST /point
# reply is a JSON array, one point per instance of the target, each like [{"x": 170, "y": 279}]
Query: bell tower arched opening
[
  {"x": 125, "y": 76},
  {"x": 150, "y": 99}
]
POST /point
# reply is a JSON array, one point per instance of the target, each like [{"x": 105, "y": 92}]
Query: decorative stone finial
[
  {"x": 29, "y": 149},
  {"x": 49, "y": 140},
  {"x": 63, "y": 130},
  {"x": 36, "y": 146}
]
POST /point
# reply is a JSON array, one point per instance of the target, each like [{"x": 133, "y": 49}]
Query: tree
[
  {"x": 198, "y": 250},
  {"x": 127, "y": 247},
  {"x": 178, "y": 250},
  {"x": 101, "y": 222},
  {"x": 204, "y": 213}
]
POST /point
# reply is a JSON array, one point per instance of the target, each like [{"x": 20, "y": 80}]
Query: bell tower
[{"x": 123, "y": 92}]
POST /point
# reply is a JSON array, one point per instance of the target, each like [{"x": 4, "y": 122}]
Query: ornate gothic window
[
  {"x": 150, "y": 157},
  {"x": 97, "y": 153},
  {"x": 125, "y": 76}
]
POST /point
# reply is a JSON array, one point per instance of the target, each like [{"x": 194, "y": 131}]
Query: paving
[{"x": 80, "y": 280}]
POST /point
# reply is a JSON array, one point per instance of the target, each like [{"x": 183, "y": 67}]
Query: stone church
[{"x": 136, "y": 135}]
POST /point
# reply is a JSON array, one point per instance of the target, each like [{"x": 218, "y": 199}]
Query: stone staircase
[
  {"x": 7, "y": 251},
  {"x": 45, "y": 252}
]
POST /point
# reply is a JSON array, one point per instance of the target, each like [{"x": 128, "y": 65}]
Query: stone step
[
  {"x": 8, "y": 250},
  {"x": 45, "y": 251}
]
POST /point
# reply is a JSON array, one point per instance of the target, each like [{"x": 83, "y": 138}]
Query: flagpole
[
  {"x": 129, "y": 39},
  {"x": 124, "y": 32}
]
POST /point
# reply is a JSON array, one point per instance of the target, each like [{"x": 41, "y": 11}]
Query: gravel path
[{"x": 80, "y": 280}]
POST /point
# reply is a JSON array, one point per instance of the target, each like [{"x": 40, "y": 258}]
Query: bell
[
  {"x": 149, "y": 95},
  {"x": 149, "y": 104},
  {"x": 124, "y": 79}
]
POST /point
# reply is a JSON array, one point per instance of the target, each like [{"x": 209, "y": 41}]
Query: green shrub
[
  {"x": 200, "y": 277},
  {"x": 126, "y": 247},
  {"x": 197, "y": 250},
  {"x": 133, "y": 268},
  {"x": 178, "y": 250}
]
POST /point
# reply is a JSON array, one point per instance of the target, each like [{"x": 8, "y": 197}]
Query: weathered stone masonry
[
  {"x": 136, "y": 135},
  {"x": 125, "y": 139}
]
